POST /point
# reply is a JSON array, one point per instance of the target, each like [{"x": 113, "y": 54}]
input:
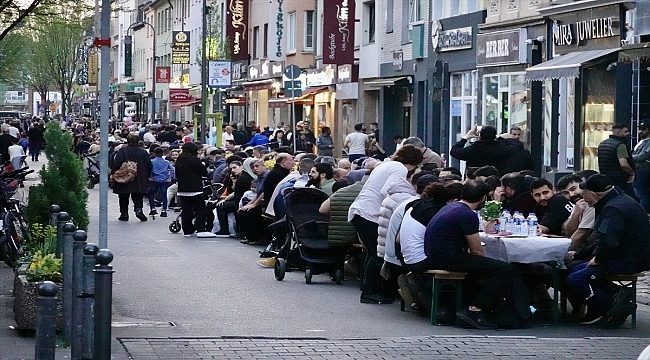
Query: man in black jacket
[
  {"x": 6, "y": 140},
  {"x": 487, "y": 150},
  {"x": 623, "y": 247},
  {"x": 615, "y": 159}
]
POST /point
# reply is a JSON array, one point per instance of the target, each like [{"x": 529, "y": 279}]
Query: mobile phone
[{"x": 478, "y": 129}]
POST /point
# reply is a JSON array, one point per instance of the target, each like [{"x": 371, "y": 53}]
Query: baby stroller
[
  {"x": 92, "y": 168},
  {"x": 210, "y": 191},
  {"x": 310, "y": 249}
]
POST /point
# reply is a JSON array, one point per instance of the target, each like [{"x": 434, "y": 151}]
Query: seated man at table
[
  {"x": 452, "y": 242},
  {"x": 552, "y": 209},
  {"x": 516, "y": 193},
  {"x": 623, "y": 247},
  {"x": 582, "y": 218}
]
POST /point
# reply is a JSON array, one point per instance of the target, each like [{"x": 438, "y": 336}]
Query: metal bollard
[
  {"x": 68, "y": 232},
  {"x": 103, "y": 302},
  {"x": 61, "y": 220},
  {"x": 88, "y": 300},
  {"x": 46, "y": 321},
  {"x": 54, "y": 212},
  {"x": 78, "y": 245}
]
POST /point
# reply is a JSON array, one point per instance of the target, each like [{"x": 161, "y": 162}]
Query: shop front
[
  {"x": 319, "y": 98},
  {"x": 453, "y": 57},
  {"x": 347, "y": 95},
  {"x": 235, "y": 100},
  {"x": 264, "y": 84},
  {"x": 586, "y": 89}
]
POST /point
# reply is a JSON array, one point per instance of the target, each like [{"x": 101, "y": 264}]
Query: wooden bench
[
  {"x": 441, "y": 278},
  {"x": 628, "y": 281}
]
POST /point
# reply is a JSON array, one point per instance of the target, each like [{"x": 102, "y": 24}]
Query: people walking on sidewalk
[
  {"x": 190, "y": 172},
  {"x": 162, "y": 173},
  {"x": 137, "y": 188}
]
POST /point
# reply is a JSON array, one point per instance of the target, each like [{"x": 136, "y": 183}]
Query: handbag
[{"x": 127, "y": 171}]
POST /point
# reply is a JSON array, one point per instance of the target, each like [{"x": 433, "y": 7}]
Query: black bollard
[
  {"x": 61, "y": 220},
  {"x": 68, "y": 297},
  {"x": 103, "y": 302},
  {"x": 88, "y": 295},
  {"x": 79, "y": 242},
  {"x": 54, "y": 212},
  {"x": 46, "y": 321}
]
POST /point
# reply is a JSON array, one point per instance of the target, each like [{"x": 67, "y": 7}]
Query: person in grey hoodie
[
  {"x": 641, "y": 157},
  {"x": 324, "y": 143}
]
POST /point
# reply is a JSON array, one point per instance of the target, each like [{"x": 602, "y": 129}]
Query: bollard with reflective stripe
[
  {"x": 103, "y": 302},
  {"x": 46, "y": 321},
  {"x": 68, "y": 232},
  {"x": 88, "y": 301},
  {"x": 79, "y": 242}
]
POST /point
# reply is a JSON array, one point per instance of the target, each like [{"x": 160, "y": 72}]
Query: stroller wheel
[
  {"x": 280, "y": 268},
  {"x": 308, "y": 275},
  {"x": 90, "y": 185},
  {"x": 175, "y": 227},
  {"x": 338, "y": 276}
]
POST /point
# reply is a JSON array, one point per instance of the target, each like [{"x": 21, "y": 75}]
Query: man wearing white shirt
[
  {"x": 149, "y": 137},
  {"x": 227, "y": 135},
  {"x": 356, "y": 143}
]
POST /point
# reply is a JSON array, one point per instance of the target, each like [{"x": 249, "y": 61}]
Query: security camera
[
  {"x": 541, "y": 38},
  {"x": 529, "y": 41}
]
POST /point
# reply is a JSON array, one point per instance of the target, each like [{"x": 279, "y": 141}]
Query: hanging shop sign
[
  {"x": 501, "y": 48},
  {"x": 237, "y": 29},
  {"x": 82, "y": 72},
  {"x": 276, "y": 39},
  {"x": 181, "y": 47},
  {"x": 163, "y": 74},
  {"x": 239, "y": 70},
  {"x": 93, "y": 69},
  {"x": 219, "y": 74},
  {"x": 321, "y": 77},
  {"x": 455, "y": 39},
  {"x": 344, "y": 74},
  {"x": 338, "y": 32},
  {"x": 179, "y": 95},
  {"x": 591, "y": 29}
]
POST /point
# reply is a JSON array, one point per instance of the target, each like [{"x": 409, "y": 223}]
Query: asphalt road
[{"x": 169, "y": 286}]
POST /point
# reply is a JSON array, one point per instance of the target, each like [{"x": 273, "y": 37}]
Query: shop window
[
  {"x": 491, "y": 94},
  {"x": 256, "y": 35},
  {"x": 463, "y": 112},
  {"x": 456, "y": 85},
  {"x": 416, "y": 16},
  {"x": 265, "y": 44},
  {"x": 369, "y": 22}
]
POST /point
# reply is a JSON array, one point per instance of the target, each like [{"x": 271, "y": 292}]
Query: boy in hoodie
[{"x": 162, "y": 173}]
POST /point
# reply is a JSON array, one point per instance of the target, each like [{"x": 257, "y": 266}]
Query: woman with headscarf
[
  {"x": 137, "y": 188},
  {"x": 190, "y": 172},
  {"x": 231, "y": 204}
]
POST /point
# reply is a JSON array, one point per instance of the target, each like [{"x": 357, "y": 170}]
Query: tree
[
  {"x": 62, "y": 181},
  {"x": 216, "y": 47},
  {"x": 59, "y": 41},
  {"x": 11, "y": 58},
  {"x": 33, "y": 73},
  {"x": 13, "y": 13}
]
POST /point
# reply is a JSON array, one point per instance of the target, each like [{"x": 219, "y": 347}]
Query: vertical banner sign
[
  {"x": 181, "y": 48},
  {"x": 128, "y": 55},
  {"x": 237, "y": 29},
  {"x": 93, "y": 69},
  {"x": 276, "y": 31},
  {"x": 338, "y": 32},
  {"x": 82, "y": 70},
  {"x": 219, "y": 74}
]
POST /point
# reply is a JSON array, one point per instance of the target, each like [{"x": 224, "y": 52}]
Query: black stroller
[
  {"x": 210, "y": 191},
  {"x": 307, "y": 230}
]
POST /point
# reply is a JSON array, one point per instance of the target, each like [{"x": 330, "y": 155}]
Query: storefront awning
[
  {"x": 635, "y": 52},
  {"x": 178, "y": 106},
  {"x": 565, "y": 66},
  {"x": 379, "y": 83},
  {"x": 309, "y": 92},
  {"x": 258, "y": 85}
]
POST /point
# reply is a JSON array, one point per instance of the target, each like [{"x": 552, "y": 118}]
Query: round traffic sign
[{"x": 292, "y": 72}]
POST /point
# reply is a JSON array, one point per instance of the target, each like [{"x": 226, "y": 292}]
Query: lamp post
[
  {"x": 204, "y": 71},
  {"x": 127, "y": 40}
]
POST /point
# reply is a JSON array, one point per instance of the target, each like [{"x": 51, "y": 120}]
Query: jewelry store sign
[{"x": 581, "y": 31}]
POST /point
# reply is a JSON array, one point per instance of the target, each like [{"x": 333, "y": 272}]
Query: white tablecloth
[{"x": 525, "y": 250}]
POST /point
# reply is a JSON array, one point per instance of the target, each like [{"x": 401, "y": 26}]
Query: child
[
  {"x": 16, "y": 154},
  {"x": 248, "y": 195},
  {"x": 162, "y": 172},
  {"x": 24, "y": 143}
]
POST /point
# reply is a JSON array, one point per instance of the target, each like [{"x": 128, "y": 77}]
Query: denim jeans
[
  {"x": 154, "y": 188},
  {"x": 642, "y": 187}
]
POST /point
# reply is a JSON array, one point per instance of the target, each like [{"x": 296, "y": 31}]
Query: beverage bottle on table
[
  {"x": 480, "y": 221},
  {"x": 507, "y": 222},
  {"x": 532, "y": 225},
  {"x": 524, "y": 226},
  {"x": 517, "y": 220}
]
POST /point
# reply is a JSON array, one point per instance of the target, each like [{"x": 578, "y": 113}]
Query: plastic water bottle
[
  {"x": 532, "y": 225},
  {"x": 524, "y": 226},
  {"x": 507, "y": 222},
  {"x": 517, "y": 220},
  {"x": 502, "y": 222},
  {"x": 480, "y": 221}
]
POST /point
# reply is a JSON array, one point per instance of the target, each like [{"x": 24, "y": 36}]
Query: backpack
[{"x": 512, "y": 311}]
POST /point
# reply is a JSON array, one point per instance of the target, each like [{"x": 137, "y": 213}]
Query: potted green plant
[{"x": 489, "y": 213}]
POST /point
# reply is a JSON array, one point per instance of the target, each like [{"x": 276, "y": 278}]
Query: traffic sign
[
  {"x": 292, "y": 71},
  {"x": 293, "y": 88}
]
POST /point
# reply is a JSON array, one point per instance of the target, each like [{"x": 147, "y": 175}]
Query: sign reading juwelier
[
  {"x": 219, "y": 73},
  {"x": 181, "y": 47},
  {"x": 338, "y": 32},
  {"x": 237, "y": 29}
]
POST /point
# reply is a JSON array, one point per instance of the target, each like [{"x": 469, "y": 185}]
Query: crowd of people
[{"x": 409, "y": 210}]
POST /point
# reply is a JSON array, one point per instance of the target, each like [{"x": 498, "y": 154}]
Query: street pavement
[{"x": 177, "y": 297}]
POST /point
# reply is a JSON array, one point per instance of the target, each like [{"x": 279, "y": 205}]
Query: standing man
[
  {"x": 36, "y": 140},
  {"x": 374, "y": 127},
  {"x": 641, "y": 157},
  {"x": 428, "y": 156},
  {"x": 324, "y": 143},
  {"x": 356, "y": 143},
  {"x": 615, "y": 159},
  {"x": 515, "y": 131}
]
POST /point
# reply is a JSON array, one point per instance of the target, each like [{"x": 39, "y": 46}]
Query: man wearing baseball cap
[
  {"x": 622, "y": 247},
  {"x": 641, "y": 157}
]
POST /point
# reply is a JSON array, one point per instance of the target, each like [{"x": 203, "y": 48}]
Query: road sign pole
[{"x": 293, "y": 107}]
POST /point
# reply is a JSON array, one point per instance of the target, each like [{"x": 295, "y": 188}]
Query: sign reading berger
[
  {"x": 237, "y": 29},
  {"x": 338, "y": 32}
]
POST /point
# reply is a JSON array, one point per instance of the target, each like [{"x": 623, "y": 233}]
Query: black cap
[
  {"x": 597, "y": 183},
  {"x": 644, "y": 123}
]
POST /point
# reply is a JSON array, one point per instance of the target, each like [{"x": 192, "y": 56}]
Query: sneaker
[
  {"x": 153, "y": 212},
  {"x": 222, "y": 233},
  {"x": 475, "y": 319},
  {"x": 244, "y": 241},
  {"x": 205, "y": 234},
  {"x": 163, "y": 213},
  {"x": 140, "y": 215},
  {"x": 123, "y": 217},
  {"x": 592, "y": 318},
  {"x": 375, "y": 298},
  {"x": 266, "y": 263},
  {"x": 190, "y": 235}
]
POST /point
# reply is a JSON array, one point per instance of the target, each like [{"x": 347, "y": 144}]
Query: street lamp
[{"x": 127, "y": 41}]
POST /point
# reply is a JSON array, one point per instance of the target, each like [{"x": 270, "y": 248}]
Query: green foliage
[
  {"x": 12, "y": 58},
  {"x": 45, "y": 268},
  {"x": 42, "y": 238},
  {"x": 63, "y": 181},
  {"x": 491, "y": 210}
]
